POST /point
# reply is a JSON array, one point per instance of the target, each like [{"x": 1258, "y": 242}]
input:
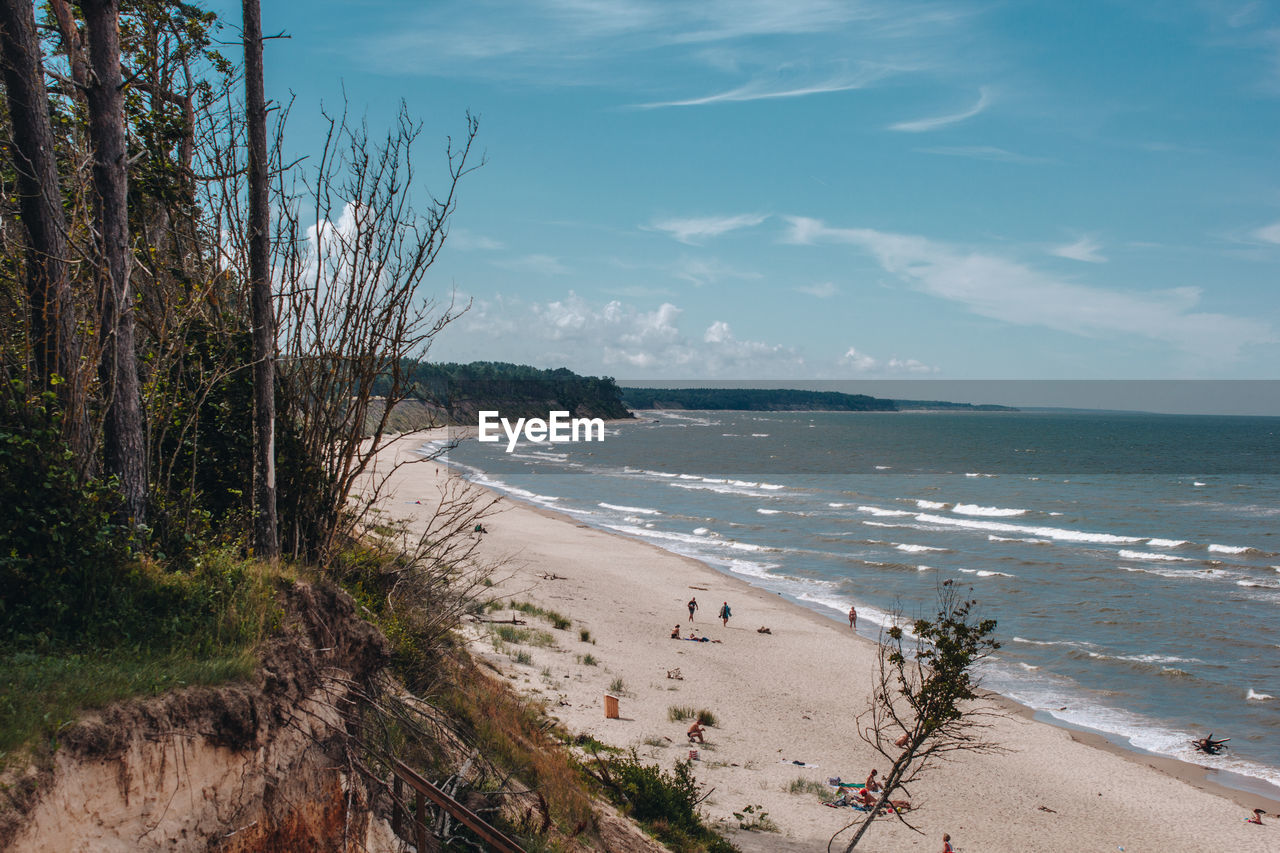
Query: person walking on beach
[
  {"x": 725, "y": 614},
  {"x": 693, "y": 605},
  {"x": 853, "y": 618}
]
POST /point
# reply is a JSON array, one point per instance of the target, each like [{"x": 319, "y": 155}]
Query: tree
[
  {"x": 50, "y": 309},
  {"x": 925, "y": 704},
  {"x": 124, "y": 445},
  {"x": 264, "y": 339}
]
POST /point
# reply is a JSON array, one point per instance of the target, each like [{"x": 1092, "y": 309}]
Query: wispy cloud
[
  {"x": 926, "y": 124},
  {"x": 1012, "y": 292},
  {"x": 825, "y": 290},
  {"x": 463, "y": 240},
  {"x": 739, "y": 50},
  {"x": 1268, "y": 233},
  {"x": 700, "y": 271},
  {"x": 693, "y": 231},
  {"x": 759, "y": 90},
  {"x": 1085, "y": 249},
  {"x": 540, "y": 264},
  {"x": 984, "y": 152}
]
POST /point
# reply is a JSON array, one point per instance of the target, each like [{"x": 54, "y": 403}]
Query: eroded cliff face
[{"x": 248, "y": 767}]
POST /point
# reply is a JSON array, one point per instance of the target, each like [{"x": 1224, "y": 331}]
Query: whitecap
[
  {"x": 768, "y": 511},
  {"x": 975, "y": 509},
  {"x": 1144, "y": 555},
  {"x": 638, "y": 509},
  {"x": 916, "y": 549},
  {"x": 985, "y": 573},
  {"x": 1229, "y": 549},
  {"x": 884, "y": 513},
  {"x": 1255, "y": 696},
  {"x": 1166, "y": 543},
  {"x": 1057, "y": 533},
  {"x": 930, "y": 504}
]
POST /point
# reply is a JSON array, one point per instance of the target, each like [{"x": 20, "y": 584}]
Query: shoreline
[{"x": 1148, "y": 801}]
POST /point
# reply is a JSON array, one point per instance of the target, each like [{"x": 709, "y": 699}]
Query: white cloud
[
  {"x": 984, "y": 152},
  {"x": 612, "y": 338},
  {"x": 926, "y": 124},
  {"x": 1085, "y": 249},
  {"x": 865, "y": 365},
  {"x": 468, "y": 241},
  {"x": 770, "y": 88},
  {"x": 692, "y": 231},
  {"x": 1009, "y": 291},
  {"x": 700, "y": 271},
  {"x": 825, "y": 290},
  {"x": 539, "y": 264},
  {"x": 1269, "y": 233}
]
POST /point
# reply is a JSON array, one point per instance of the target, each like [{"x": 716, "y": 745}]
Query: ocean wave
[
  {"x": 1166, "y": 543},
  {"x": 1175, "y": 574},
  {"x": 1074, "y": 643},
  {"x": 930, "y": 504},
  {"x": 987, "y": 573},
  {"x": 725, "y": 487},
  {"x": 836, "y": 506},
  {"x": 975, "y": 509},
  {"x": 1232, "y": 549},
  {"x": 637, "y": 509},
  {"x": 979, "y": 475},
  {"x": 1255, "y": 696},
  {"x": 991, "y": 537},
  {"x": 915, "y": 549},
  {"x": 1146, "y": 555},
  {"x": 1056, "y": 533},
  {"x": 884, "y": 467},
  {"x": 768, "y": 511},
  {"x": 884, "y": 513}
]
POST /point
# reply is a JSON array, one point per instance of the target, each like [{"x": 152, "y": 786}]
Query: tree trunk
[
  {"x": 265, "y": 537},
  {"x": 124, "y": 444},
  {"x": 50, "y": 308}
]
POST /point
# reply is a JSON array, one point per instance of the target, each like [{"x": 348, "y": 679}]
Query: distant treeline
[
  {"x": 515, "y": 390},
  {"x": 782, "y": 400}
]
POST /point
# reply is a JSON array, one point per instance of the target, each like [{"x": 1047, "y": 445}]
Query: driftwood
[
  {"x": 1210, "y": 745},
  {"x": 512, "y": 621}
]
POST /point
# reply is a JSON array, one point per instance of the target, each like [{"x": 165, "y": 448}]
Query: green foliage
[
  {"x": 754, "y": 818},
  {"x": 584, "y": 635},
  {"x": 664, "y": 802},
  {"x": 618, "y": 686},
  {"x": 557, "y": 620},
  {"x": 517, "y": 389},
  {"x": 752, "y": 399},
  {"x": 680, "y": 713},
  {"x": 707, "y": 718},
  {"x": 801, "y": 785},
  {"x": 63, "y": 559},
  {"x": 945, "y": 651},
  {"x": 588, "y": 660}
]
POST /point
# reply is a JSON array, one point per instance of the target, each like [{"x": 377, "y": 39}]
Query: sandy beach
[{"x": 793, "y": 696}]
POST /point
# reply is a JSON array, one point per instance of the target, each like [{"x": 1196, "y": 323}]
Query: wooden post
[
  {"x": 420, "y": 821},
  {"x": 610, "y": 707},
  {"x": 397, "y": 811}
]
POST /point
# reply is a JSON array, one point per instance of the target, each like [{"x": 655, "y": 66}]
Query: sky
[{"x": 814, "y": 189}]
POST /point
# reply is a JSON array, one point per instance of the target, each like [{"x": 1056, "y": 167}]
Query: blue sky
[{"x": 837, "y": 190}]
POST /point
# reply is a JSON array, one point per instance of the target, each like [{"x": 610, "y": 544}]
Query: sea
[{"x": 1132, "y": 561}]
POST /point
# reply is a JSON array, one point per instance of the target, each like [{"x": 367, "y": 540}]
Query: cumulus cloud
[
  {"x": 1085, "y": 249},
  {"x": 1010, "y": 291},
  {"x": 613, "y": 338},
  {"x": 864, "y": 364},
  {"x": 693, "y": 231}
]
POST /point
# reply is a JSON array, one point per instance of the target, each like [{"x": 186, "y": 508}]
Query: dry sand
[{"x": 793, "y": 695}]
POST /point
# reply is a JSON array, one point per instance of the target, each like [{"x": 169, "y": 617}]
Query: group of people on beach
[{"x": 724, "y": 614}]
